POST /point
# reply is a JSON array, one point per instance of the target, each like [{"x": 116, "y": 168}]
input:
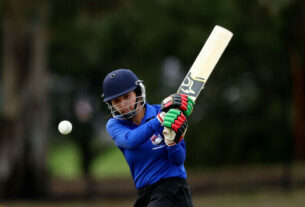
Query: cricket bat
[{"x": 203, "y": 66}]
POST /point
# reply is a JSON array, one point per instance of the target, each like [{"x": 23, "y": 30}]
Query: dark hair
[{"x": 138, "y": 91}]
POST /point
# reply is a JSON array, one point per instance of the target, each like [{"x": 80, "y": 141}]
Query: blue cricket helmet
[{"x": 118, "y": 83}]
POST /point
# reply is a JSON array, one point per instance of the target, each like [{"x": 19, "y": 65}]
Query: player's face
[{"x": 125, "y": 103}]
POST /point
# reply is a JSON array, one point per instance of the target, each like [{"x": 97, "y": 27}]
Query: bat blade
[{"x": 205, "y": 62}]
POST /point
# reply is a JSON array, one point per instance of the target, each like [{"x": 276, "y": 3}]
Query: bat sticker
[{"x": 191, "y": 86}]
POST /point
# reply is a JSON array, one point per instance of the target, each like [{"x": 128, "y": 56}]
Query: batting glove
[
  {"x": 178, "y": 101},
  {"x": 175, "y": 120},
  {"x": 160, "y": 117}
]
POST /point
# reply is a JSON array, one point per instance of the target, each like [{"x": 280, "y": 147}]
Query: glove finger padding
[
  {"x": 176, "y": 120},
  {"x": 178, "y": 101}
]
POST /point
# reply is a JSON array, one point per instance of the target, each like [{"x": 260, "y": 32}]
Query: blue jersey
[{"x": 144, "y": 149}]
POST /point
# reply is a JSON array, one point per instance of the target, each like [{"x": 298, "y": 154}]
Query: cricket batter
[{"x": 156, "y": 163}]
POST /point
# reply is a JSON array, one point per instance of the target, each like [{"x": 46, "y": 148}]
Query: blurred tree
[
  {"x": 294, "y": 18},
  {"x": 289, "y": 17},
  {"x": 244, "y": 111},
  {"x": 25, "y": 113}
]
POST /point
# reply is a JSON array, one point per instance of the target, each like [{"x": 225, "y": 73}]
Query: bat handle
[{"x": 169, "y": 133}]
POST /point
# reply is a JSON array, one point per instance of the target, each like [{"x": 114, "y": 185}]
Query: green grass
[
  {"x": 64, "y": 161},
  {"x": 111, "y": 164}
]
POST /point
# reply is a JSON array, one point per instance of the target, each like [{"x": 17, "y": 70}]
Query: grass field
[
  {"x": 294, "y": 198},
  {"x": 64, "y": 163}
]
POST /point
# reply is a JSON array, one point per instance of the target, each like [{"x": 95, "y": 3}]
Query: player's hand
[
  {"x": 178, "y": 101},
  {"x": 175, "y": 120}
]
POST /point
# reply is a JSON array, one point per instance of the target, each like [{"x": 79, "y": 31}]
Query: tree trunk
[
  {"x": 296, "y": 31},
  {"x": 298, "y": 76},
  {"x": 25, "y": 112}
]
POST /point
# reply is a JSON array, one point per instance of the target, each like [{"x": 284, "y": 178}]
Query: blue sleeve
[
  {"x": 177, "y": 154},
  {"x": 131, "y": 138}
]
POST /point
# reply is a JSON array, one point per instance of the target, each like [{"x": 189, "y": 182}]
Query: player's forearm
[
  {"x": 176, "y": 154},
  {"x": 136, "y": 137},
  {"x": 140, "y": 135}
]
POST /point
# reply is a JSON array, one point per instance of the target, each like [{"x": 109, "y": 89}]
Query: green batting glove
[{"x": 175, "y": 120}]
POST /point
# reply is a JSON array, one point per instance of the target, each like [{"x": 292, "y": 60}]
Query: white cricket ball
[{"x": 65, "y": 127}]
